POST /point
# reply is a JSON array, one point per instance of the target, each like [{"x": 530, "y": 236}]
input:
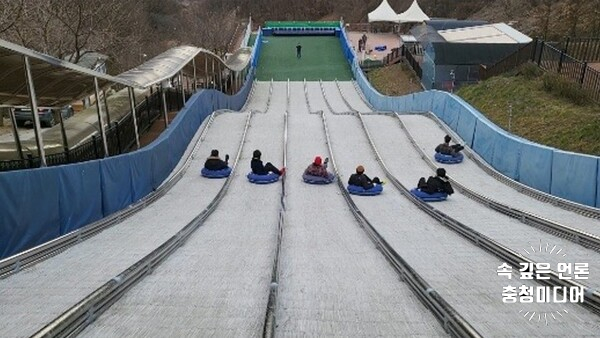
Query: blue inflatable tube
[
  {"x": 310, "y": 179},
  {"x": 216, "y": 173},
  {"x": 262, "y": 179},
  {"x": 438, "y": 196},
  {"x": 448, "y": 159},
  {"x": 356, "y": 190}
]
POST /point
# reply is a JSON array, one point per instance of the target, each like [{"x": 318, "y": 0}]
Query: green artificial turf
[{"x": 322, "y": 59}]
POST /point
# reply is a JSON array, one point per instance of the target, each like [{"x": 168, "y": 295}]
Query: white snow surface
[
  {"x": 462, "y": 273},
  {"x": 33, "y": 297},
  {"x": 333, "y": 282},
  {"x": 428, "y": 135},
  {"x": 332, "y": 279}
]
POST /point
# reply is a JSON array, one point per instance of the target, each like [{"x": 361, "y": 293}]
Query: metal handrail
[
  {"x": 75, "y": 319},
  {"x": 18, "y": 262},
  {"x": 575, "y": 235},
  {"x": 270, "y": 320},
  {"x": 584, "y": 210},
  {"x": 453, "y": 323}
]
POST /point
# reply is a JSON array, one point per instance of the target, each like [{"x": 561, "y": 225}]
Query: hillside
[{"x": 537, "y": 114}]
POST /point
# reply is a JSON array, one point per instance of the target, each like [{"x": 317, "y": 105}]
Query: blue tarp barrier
[
  {"x": 30, "y": 209},
  {"x": 465, "y": 127},
  {"x": 598, "y": 186},
  {"x": 574, "y": 177},
  {"x": 67, "y": 197},
  {"x": 484, "y": 139},
  {"x": 535, "y": 166},
  {"x": 83, "y": 180},
  {"x": 116, "y": 178},
  {"x": 530, "y": 163},
  {"x": 506, "y": 155},
  {"x": 451, "y": 113},
  {"x": 141, "y": 173}
]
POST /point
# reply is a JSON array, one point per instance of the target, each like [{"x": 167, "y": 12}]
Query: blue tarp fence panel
[
  {"x": 571, "y": 176},
  {"x": 39, "y": 205}
]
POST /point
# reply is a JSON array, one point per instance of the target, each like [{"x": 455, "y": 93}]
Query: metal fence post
[
  {"x": 585, "y": 66},
  {"x": 560, "y": 61},
  {"x": 118, "y": 137}
]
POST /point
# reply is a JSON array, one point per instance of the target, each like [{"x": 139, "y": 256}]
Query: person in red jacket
[{"x": 318, "y": 168}]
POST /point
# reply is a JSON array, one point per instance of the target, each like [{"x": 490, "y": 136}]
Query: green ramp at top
[
  {"x": 302, "y": 24},
  {"x": 322, "y": 59}
]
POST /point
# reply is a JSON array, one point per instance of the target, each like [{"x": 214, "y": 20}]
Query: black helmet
[
  {"x": 256, "y": 154},
  {"x": 214, "y": 152},
  {"x": 447, "y": 138},
  {"x": 441, "y": 172}
]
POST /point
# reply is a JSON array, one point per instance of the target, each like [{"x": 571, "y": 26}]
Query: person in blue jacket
[{"x": 259, "y": 169}]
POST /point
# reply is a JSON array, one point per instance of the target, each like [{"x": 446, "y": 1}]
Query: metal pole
[
  {"x": 100, "y": 117},
  {"x": 227, "y": 83},
  {"x": 220, "y": 77},
  {"x": 34, "y": 110},
  {"x": 213, "y": 74},
  {"x": 195, "y": 78},
  {"x": 106, "y": 107},
  {"x": 63, "y": 132},
  {"x": 206, "y": 71},
  {"x": 164, "y": 103},
  {"x": 182, "y": 88},
  {"x": 13, "y": 121},
  {"x": 134, "y": 115}
]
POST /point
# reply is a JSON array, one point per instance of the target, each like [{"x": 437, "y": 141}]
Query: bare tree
[{"x": 10, "y": 12}]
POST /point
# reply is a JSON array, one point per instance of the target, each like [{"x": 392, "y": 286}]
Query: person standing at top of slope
[{"x": 298, "y": 50}]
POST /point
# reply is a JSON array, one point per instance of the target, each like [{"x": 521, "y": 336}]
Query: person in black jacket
[
  {"x": 362, "y": 180},
  {"x": 439, "y": 183},
  {"x": 447, "y": 149},
  {"x": 259, "y": 169},
  {"x": 214, "y": 162}
]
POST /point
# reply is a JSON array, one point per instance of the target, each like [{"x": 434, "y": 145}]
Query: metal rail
[
  {"x": 270, "y": 319},
  {"x": 584, "y": 210},
  {"x": 78, "y": 317},
  {"x": 575, "y": 235},
  {"x": 28, "y": 258},
  {"x": 451, "y": 320},
  {"x": 505, "y": 254},
  {"x": 592, "y": 297}
]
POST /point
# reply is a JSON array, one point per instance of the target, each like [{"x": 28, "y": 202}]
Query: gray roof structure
[
  {"x": 169, "y": 63},
  {"x": 57, "y": 82}
]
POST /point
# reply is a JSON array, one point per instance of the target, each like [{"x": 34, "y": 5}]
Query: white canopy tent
[
  {"x": 383, "y": 13},
  {"x": 413, "y": 14}
]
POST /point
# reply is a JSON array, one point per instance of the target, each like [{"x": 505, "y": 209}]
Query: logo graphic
[{"x": 529, "y": 271}]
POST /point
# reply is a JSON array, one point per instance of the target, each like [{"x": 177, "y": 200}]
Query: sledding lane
[
  {"x": 462, "y": 273},
  {"x": 428, "y": 135},
  {"x": 217, "y": 283},
  {"x": 31, "y": 298},
  {"x": 406, "y": 165},
  {"x": 333, "y": 282}
]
